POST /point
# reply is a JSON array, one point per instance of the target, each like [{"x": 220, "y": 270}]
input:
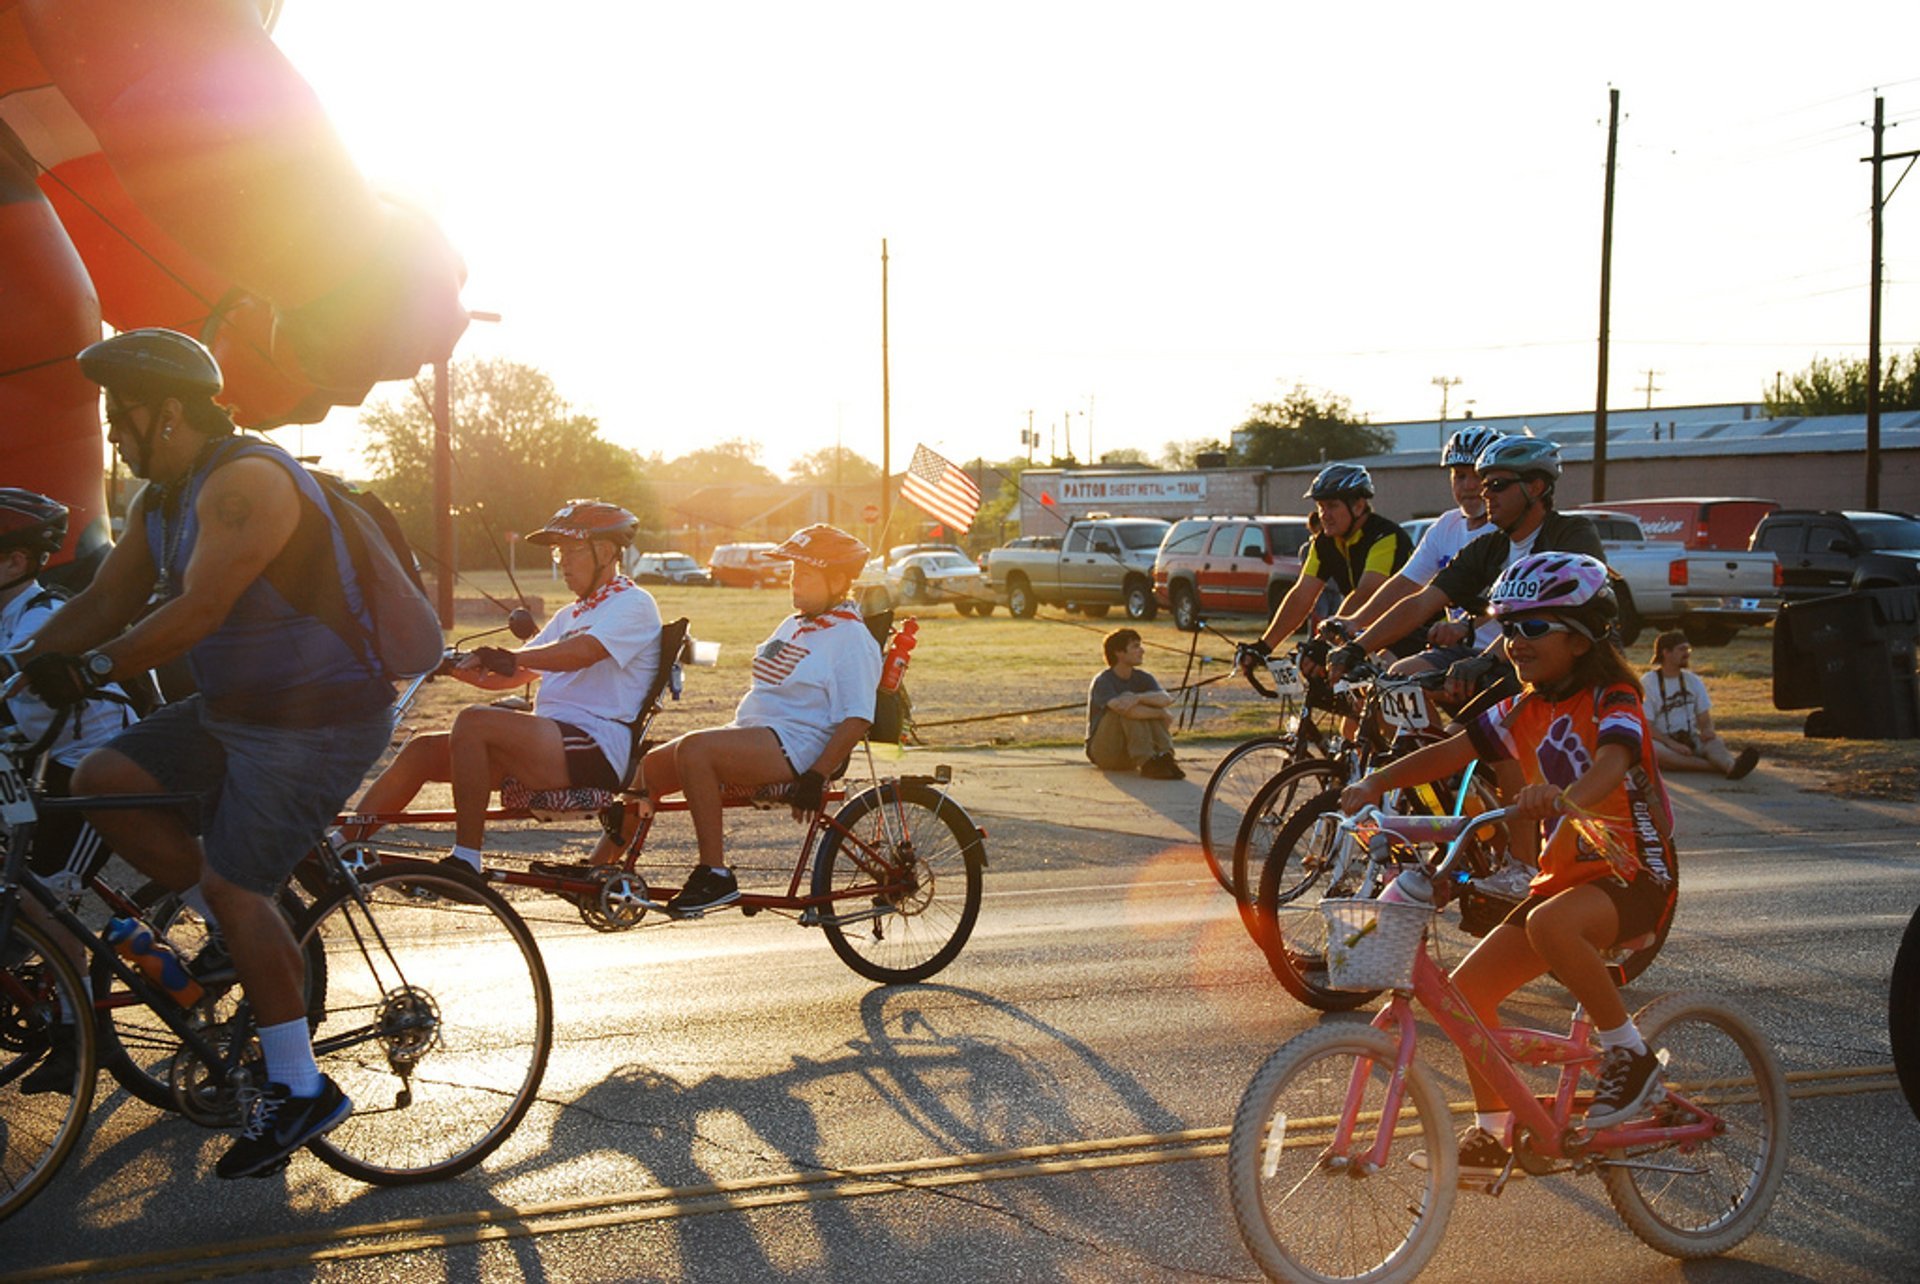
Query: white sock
[
  {"x": 195, "y": 899},
  {"x": 1624, "y": 1036},
  {"x": 288, "y": 1048},
  {"x": 471, "y": 855},
  {"x": 1495, "y": 1122}
]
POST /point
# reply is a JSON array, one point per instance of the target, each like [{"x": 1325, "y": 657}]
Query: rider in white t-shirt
[
  {"x": 810, "y": 704},
  {"x": 595, "y": 659}
]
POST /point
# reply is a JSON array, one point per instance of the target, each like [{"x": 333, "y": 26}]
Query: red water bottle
[{"x": 894, "y": 667}]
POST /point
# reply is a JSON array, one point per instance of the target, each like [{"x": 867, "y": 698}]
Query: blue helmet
[
  {"x": 1341, "y": 481},
  {"x": 1465, "y": 445}
]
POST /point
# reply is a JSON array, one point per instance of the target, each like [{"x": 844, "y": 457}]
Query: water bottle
[
  {"x": 1413, "y": 887},
  {"x": 155, "y": 958},
  {"x": 895, "y": 666}
]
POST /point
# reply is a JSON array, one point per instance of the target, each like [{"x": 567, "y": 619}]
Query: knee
[{"x": 105, "y": 772}]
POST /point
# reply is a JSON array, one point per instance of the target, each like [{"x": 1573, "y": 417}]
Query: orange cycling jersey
[{"x": 1555, "y": 743}]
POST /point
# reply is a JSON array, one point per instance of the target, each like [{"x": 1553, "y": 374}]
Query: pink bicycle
[{"x": 1325, "y": 1181}]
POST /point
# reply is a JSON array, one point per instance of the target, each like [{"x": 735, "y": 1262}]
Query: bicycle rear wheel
[
  {"x": 1310, "y": 1208},
  {"x": 1230, "y": 790},
  {"x": 923, "y": 859},
  {"x": 39, "y": 1130},
  {"x": 437, "y": 1023},
  {"x": 1700, "y": 1200}
]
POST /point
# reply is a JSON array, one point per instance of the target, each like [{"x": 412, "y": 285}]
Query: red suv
[{"x": 1232, "y": 565}]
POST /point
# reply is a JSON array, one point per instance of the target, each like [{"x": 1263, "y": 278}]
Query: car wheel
[
  {"x": 963, "y": 608},
  {"x": 1140, "y": 603},
  {"x": 1186, "y": 611},
  {"x": 1020, "y": 601},
  {"x": 983, "y": 609}
]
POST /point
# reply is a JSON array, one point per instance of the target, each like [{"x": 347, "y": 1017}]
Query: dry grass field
[{"x": 1018, "y": 671}]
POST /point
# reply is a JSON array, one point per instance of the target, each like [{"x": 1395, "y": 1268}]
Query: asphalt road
[{"x": 727, "y": 1102}]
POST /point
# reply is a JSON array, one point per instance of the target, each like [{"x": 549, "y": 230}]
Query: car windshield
[
  {"x": 679, "y": 563},
  {"x": 948, "y": 562},
  {"x": 1139, "y": 535},
  {"x": 1888, "y": 532}
]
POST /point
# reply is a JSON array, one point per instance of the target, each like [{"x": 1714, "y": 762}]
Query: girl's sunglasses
[{"x": 1535, "y": 629}]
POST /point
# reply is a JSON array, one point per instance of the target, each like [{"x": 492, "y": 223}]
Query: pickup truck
[
  {"x": 1709, "y": 594},
  {"x": 1102, "y": 562},
  {"x": 1829, "y": 551}
]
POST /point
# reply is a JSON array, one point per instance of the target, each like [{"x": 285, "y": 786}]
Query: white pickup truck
[{"x": 1709, "y": 593}]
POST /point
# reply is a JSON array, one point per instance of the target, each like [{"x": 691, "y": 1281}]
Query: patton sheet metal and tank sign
[{"x": 1134, "y": 488}]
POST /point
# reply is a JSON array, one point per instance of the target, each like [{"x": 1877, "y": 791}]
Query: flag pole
[{"x": 886, "y": 404}]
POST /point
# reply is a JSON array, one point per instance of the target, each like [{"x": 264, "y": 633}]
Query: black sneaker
[
  {"x": 1162, "y": 767},
  {"x": 559, "y": 869},
  {"x": 56, "y": 1073},
  {"x": 278, "y": 1124},
  {"x": 1744, "y": 764},
  {"x": 212, "y": 965},
  {"x": 1482, "y": 1158},
  {"x": 707, "y": 888},
  {"x": 1628, "y": 1082}
]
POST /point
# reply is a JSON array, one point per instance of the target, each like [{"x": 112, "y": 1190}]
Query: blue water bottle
[{"x": 155, "y": 958}]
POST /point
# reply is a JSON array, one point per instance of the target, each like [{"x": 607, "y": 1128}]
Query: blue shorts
[{"x": 267, "y": 794}]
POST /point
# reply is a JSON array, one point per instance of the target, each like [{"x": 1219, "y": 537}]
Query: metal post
[
  {"x": 443, "y": 549},
  {"x": 886, "y": 405},
  {"x": 1873, "y": 315},
  {"x": 1606, "y": 303}
]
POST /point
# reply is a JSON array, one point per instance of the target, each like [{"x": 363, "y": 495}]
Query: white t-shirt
[
  {"x": 1675, "y": 707},
  {"x": 809, "y": 677},
  {"x": 1440, "y": 545},
  {"x": 92, "y": 724},
  {"x": 603, "y": 698}
]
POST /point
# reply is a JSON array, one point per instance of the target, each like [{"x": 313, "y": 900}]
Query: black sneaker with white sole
[
  {"x": 707, "y": 888},
  {"x": 278, "y": 1124},
  {"x": 58, "y": 1071},
  {"x": 1629, "y": 1081},
  {"x": 1482, "y": 1158}
]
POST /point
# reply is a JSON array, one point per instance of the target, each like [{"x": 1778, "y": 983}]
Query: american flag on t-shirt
[
  {"x": 941, "y": 488},
  {"x": 776, "y": 661}
]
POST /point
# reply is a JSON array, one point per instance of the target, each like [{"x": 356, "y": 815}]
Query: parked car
[
  {"x": 1227, "y": 565},
  {"x": 666, "y": 568},
  {"x": 1711, "y": 594},
  {"x": 746, "y": 566},
  {"x": 923, "y": 579},
  {"x": 1102, "y": 562},
  {"x": 1718, "y": 523},
  {"x": 1825, "y": 551}
]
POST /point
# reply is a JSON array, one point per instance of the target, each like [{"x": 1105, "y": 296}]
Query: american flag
[{"x": 941, "y": 488}]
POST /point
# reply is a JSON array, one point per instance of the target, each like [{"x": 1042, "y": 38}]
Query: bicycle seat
[{"x": 554, "y": 804}]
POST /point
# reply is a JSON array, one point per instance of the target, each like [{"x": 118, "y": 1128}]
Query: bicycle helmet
[
  {"x": 1465, "y": 445},
  {"x": 1341, "y": 481},
  {"x": 1568, "y": 584},
  {"x": 588, "y": 519},
  {"x": 31, "y": 521},
  {"x": 152, "y": 362},
  {"x": 827, "y": 548},
  {"x": 1528, "y": 456}
]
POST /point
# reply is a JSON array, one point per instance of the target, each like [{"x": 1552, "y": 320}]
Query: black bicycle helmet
[
  {"x": 1341, "y": 481},
  {"x": 152, "y": 362},
  {"x": 1528, "y": 456},
  {"x": 1465, "y": 445},
  {"x": 31, "y": 521},
  {"x": 588, "y": 519}
]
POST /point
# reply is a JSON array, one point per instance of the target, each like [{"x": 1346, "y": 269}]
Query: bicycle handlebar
[{"x": 1373, "y": 815}]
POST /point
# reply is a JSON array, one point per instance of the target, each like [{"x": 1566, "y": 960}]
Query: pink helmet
[{"x": 1571, "y": 583}]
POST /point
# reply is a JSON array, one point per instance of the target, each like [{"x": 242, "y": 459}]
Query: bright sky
[{"x": 1148, "y": 217}]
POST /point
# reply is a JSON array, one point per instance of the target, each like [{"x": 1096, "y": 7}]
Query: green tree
[
  {"x": 1838, "y": 386},
  {"x": 734, "y": 462},
  {"x": 833, "y": 466},
  {"x": 1305, "y": 429},
  {"x": 519, "y": 452},
  {"x": 1125, "y": 455},
  {"x": 1183, "y": 455}
]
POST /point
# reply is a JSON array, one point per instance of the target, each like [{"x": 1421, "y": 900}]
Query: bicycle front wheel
[
  {"x": 906, "y": 865},
  {"x": 1276, "y": 802},
  {"x": 1229, "y": 792},
  {"x": 1903, "y": 1013},
  {"x": 47, "y": 1067},
  {"x": 1301, "y": 870},
  {"x": 437, "y": 1022},
  {"x": 1701, "y": 1199},
  {"x": 1311, "y": 1202}
]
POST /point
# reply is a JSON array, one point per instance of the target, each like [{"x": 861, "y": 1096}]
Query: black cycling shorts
[
  {"x": 1640, "y": 904},
  {"x": 587, "y": 767}
]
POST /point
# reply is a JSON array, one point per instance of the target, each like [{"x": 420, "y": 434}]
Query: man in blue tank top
[{"x": 231, "y": 558}]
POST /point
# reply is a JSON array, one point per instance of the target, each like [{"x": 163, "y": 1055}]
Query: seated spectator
[
  {"x": 810, "y": 705},
  {"x": 596, "y": 660},
  {"x": 1678, "y": 710},
  {"x": 1129, "y": 715}
]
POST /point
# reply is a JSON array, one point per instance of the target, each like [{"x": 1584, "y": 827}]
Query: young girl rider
[
  {"x": 810, "y": 704},
  {"x": 1580, "y": 737}
]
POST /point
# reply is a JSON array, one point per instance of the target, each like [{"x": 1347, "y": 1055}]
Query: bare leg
[
  {"x": 703, "y": 761},
  {"x": 421, "y": 759},
  {"x": 1503, "y": 962},
  {"x": 486, "y": 746},
  {"x": 265, "y": 955},
  {"x": 157, "y": 843},
  {"x": 1568, "y": 932}
]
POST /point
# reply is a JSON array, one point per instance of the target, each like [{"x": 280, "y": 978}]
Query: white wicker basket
[{"x": 1371, "y": 944}]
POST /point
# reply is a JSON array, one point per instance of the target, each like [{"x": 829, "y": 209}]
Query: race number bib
[
  {"x": 16, "y": 804},
  {"x": 1405, "y": 708},
  {"x": 1286, "y": 675}
]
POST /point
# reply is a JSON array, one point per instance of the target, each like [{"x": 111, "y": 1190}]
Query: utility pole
[
  {"x": 1606, "y": 302},
  {"x": 1030, "y": 439},
  {"x": 1650, "y": 388},
  {"x": 1446, "y": 384},
  {"x": 1879, "y": 158},
  {"x": 886, "y": 406}
]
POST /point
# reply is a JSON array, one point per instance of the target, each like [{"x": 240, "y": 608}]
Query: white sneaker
[{"x": 1510, "y": 882}]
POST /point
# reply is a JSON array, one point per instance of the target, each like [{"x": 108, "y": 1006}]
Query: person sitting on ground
[
  {"x": 1129, "y": 715},
  {"x": 595, "y": 659},
  {"x": 810, "y": 705},
  {"x": 1678, "y": 710}
]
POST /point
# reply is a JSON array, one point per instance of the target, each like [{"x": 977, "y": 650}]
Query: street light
[{"x": 443, "y": 479}]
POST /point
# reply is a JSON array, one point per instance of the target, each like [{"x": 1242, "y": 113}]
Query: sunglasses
[
  {"x": 1496, "y": 486},
  {"x": 1535, "y": 629}
]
